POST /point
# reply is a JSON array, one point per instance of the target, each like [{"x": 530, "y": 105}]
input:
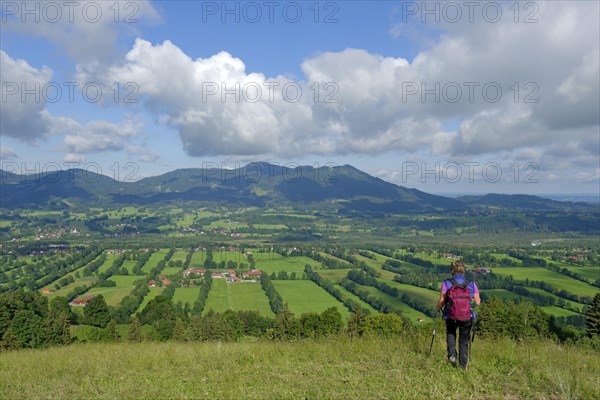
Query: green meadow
[
  {"x": 114, "y": 295},
  {"x": 336, "y": 368},
  {"x": 154, "y": 259},
  {"x": 555, "y": 279},
  {"x": 395, "y": 303},
  {"x": 240, "y": 296},
  {"x": 303, "y": 296},
  {"x": 187, "y": 295}
]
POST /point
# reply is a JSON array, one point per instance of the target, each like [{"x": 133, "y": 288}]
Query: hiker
[{"x": 455, "y": 299}]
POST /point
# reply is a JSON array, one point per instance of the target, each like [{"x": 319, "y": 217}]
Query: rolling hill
[{"x": 343, "y": 188}]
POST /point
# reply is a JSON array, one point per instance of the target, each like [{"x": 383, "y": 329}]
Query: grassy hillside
[{"x": 398, "y": 368}]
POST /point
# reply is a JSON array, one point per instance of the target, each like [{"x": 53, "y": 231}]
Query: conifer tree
[
  {"x": 593, "y": 317},
  {"x": 135, "y": 331},
  {"x": 112, "y": 331}
]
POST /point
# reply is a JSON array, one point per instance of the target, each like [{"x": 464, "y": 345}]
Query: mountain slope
[{"x": 344, "y": 188}]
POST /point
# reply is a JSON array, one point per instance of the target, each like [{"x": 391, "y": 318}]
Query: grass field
[
  {"x": 171, "y": 271},
  {"x": 501, "y": 257},
  {"x": 218, "y": 297},
  {"x": 186, "y": 295},
  {"x": 367, "y": 368},
  {"x": 65, "y": 290},
  {"x": 573, "y": 303},
  {"x": 555, "y": 279},
  {"x": 197, "y": 260},
  {"x": 397, "y": 304},
  {"x": 238, "y": 297},
  {"x": 154, "y": 291},
  {"x": 180, "y": 255},
  {"x": 154, "y": 259},
  {"x": 222, "y": 223},
  {"x": 114, "y": 295},
  {"x": 334, "y": 275},
  {"x": 589, "y": 273},
  {"x": 356, "y": 299},
  {"x": 342, "y": 262},
  {"x": 110, "y": 259},
  {"x": 557, "y": 311},
  {"x": 269, "y": 226},
  {"x": 371, "y": 263},
  {"x": 73, "y": 273},
  {"x": 129, "y": 264},
  {"x": 501, "y": 293},
  {"x": 236, "y": 256},
  {"x": 249, "y": 296},
  {"x": 426, "y": 295},
  {"x": 274, "y": 262},
  {"x": 305, "y": 296},
  {"x": 381, "y": 259}
]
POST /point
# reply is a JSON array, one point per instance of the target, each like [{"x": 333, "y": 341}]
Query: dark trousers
[{"x": 464, "y": 327}]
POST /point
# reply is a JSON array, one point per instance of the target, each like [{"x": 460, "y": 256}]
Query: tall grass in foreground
[{"x": 340, "y": 368}]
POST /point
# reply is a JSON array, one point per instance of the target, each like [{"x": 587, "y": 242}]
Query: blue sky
[{"x": 413, "y": 95}]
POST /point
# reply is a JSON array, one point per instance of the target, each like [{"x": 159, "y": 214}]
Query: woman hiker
[{"x": 455, "y": 299}]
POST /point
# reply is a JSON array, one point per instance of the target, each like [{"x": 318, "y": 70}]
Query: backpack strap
[{"x": 460, "y": 285}]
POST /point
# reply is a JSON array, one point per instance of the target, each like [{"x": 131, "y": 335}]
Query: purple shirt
[{"x": 473, "y": 290}]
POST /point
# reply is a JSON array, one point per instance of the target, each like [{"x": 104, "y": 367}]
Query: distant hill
[
  {"x": 521, "y": 202},
  {"x": 344, "y": 188}
]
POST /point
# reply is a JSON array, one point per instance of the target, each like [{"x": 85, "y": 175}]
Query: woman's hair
[{"x": 457, "y": 267}]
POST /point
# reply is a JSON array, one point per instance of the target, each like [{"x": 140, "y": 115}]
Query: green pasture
[
  {"x": 303, "y": 296},
  {"x": 180, "y": 255},
  {"x": 396, "y": 304},
  {"x": 154, "y": 259},
  {"x": 186, "y": 295},
  {"x": 198, "y": 258},
  {"x": 114, "y": 295},
  {"x": 218, "y": 298},
  {"x": 555, "y": 279},
  {"x": 274, "y": 262},
  {"x": 355, "y": 298},
  {"x": 334, "y": 275},
  {"x": 154, "y": 291},
  {"x": 239, "y": 296},
  {"x": 65, "y": 290},
  {"x": 426, "y": 295},
  {"x": 171, "y": 271}
]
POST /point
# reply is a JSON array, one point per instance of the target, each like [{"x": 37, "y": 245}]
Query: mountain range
[{"x": 256, "y": 184}]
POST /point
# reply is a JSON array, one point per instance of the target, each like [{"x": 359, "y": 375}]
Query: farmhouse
[
  {"x": 46, "y": 290},
  {"x": 152, "y": 283},
  {"x": 482, "y": 271},
  {"x": 82, "y": 301},
  {"x": 450, "y": 256},
  {"x": 165, "y": 281},
  {"x": 199, "y": 271},
  {"x": 255, "y": 273}
]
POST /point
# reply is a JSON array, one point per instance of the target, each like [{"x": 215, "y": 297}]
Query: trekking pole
[
  {"x": 471, "y": 338},
  {"x": 433, "y": 333}
]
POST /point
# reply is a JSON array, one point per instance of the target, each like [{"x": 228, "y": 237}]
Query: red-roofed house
[
  {"x": 82, "y": 301},
  {"x": 255, "y": 273},
  {"x": 199, "y": 271}
]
